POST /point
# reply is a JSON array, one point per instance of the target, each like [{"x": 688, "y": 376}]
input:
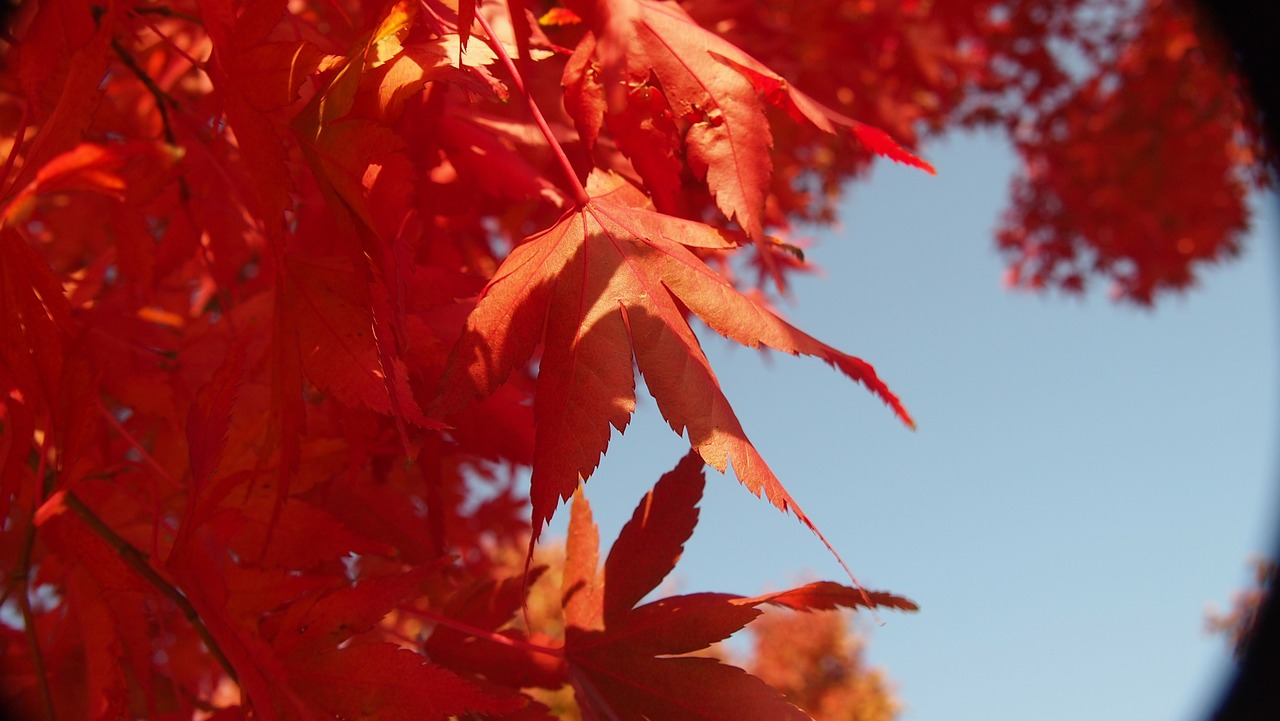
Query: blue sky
[{"x": 1087, "y": 478}]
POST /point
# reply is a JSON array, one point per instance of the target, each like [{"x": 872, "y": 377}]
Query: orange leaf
[
  {"x": 729, "y": 139},
  {"x": 825, "y": 596},
  {"x": 580, "y": 592}
]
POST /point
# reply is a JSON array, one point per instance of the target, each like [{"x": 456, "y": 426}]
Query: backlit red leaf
[
  {"x": 624, "y": 668},
  {"x": 652, "y": 541},
  {"x": 608, "y": 282}
]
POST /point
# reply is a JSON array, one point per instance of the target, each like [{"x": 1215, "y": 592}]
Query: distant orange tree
[{"x": 1239, "y": 623}]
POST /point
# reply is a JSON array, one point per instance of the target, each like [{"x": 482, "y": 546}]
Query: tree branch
[
  {"x": 579, "y": 192},
  {"x": 137, "y": 560}
]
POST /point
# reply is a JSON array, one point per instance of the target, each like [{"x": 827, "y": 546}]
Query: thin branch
[
  {"x": 163, "y": 101},
  {"x": 137, "y": 560},
  {"x": 579, "y": 192},
  {"x": 17, "y": 143},
  {"x": 142, "y": 13},
  {"x": 23, "y": 578},
  {"x": 483, "y": 634},
  {"x": 142, "y": 452}
]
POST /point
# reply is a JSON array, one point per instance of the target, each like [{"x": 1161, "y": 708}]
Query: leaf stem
[
  {"x": 484, "y": 634},
  {"x": 143, "y": 453},
  {"x": 137, "y": 560},
  {"x": 579, "y": 192},
  {"x": 163, "y": 101},
  {"x": 17, "y": 144}
]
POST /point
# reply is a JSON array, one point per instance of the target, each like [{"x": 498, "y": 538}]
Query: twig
[
  {"x": 137, "y": 560},
  {"x": 163, "y": 101},
  {"x": 482, "y": 633},
  {"x": 579, "y": 192},
  {"x": 142, "y": 13},
  {"x": 17, "y": 143},
  {"x": 143, "y": 453}
]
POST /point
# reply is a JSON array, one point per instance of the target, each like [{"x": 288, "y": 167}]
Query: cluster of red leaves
[
  {"x": 283, "y": 283},
  {"x": 268, "y": 307}
]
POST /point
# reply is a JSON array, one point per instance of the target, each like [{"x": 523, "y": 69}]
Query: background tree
[
  {"x": 289, "y": 290},
  {"x": 817, "y": 662},
  {"x": 1239, "y": 624}
]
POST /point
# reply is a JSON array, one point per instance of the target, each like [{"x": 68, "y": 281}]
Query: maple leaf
[
  {"x": 87, "y": 167},
  {"x": 342, "y": 350},
  {"x": 109, "y": 170},
  {"x": 35, "y": 318},
  {"x": 715, "y": 87},
  {"x": 620, "y": 658},
  {"x": 583, "y": 93},
  {"x": 646, "y": 132},
  {"x": 109, "y": 608},
  {"x": 64, "y": 59},
  {"x": 728, "y": 141},
  {"x": 479, "y": 154},
  {"x": 418, "y": 63},
  {"x": 349, "y": 677},
  {"x": 256, "y": 81},
  {"x": 198, "y": 566},
  {"x": 611, "y": 281}
]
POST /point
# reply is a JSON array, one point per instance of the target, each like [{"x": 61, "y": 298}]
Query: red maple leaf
[
  {"x": 715, "y": 87},
  {"x": 613, "y": 281},
  {"x": 626, "y": 662}
]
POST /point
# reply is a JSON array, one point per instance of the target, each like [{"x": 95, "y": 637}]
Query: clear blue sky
[{"x": 1086, "y": 480}]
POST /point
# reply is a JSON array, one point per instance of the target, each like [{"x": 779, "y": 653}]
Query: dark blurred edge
[
  {"x": 7, "y": 9},
  {"x": 1252, "y": 27}
]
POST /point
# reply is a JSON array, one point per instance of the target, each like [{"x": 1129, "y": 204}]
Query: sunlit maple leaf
[
  {"x": 610, "y": 282},
  {"x": 728, "y": 140},
  {"x": 418, "y": 63}
]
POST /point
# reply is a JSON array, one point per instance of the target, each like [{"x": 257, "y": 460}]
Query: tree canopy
[{"x": 291, "y": 293}]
